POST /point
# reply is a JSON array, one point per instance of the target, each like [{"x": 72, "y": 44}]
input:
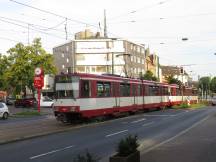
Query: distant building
[
  {"x": 152, "y": 63},
  {"x": 176, "y": 73},
  {"x": 90, "y": 53}
]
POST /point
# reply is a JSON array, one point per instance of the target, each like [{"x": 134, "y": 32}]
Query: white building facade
[{"x": 99, "y": 56}]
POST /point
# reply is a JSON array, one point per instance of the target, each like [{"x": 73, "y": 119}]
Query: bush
[
  {"x": 127, "y": 146},
  {"x": 87, "y": 157}
]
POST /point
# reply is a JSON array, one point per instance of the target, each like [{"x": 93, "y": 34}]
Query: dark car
[
  {"x": 26, "y": 102},
  {"x": 10, "y": 100}
]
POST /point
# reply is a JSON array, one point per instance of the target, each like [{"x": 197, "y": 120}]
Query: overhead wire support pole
[
  {"x": 66, "y": 32},
  {"x": 28, "y": 34}
]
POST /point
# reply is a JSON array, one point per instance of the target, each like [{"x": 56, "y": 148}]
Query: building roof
[{"x": 171, "y": 70}]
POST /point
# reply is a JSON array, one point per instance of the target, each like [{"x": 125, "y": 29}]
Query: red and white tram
[{"x": 89, "y": 95}]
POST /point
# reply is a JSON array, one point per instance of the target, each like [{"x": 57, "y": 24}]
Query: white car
[
  {"x": 4, "y": 112},
  {"x": 213, "y": 100},
  {"x": 46, "y": 102}
]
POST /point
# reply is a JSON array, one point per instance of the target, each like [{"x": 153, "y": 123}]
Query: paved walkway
[{"x": 16, "y": 128}]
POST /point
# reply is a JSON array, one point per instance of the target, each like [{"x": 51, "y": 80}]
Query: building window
[
  {"x": 67, "y": 60},
  {"x": 134, "y": 48},
  {"x": 63, "y": 55},
  {"x": 101, "y": 69},
  {"x": 131, "y": 46},
  {"x": 80, "y": 69},
  {"x": 63, "y": 66},
  {"x": 87, "y": 69},
  {"x": 67, "y": 48},
  {"x": 93, "y": 69},
  {"x": 80, "y": 57}
]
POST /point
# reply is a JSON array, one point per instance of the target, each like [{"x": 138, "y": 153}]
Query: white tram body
[{"x": 89, "y": 95}]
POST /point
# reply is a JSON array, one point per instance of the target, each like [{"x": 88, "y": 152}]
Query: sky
[{"x": 159, "y": 24}]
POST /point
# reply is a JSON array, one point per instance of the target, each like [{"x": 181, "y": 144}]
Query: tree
[
  {"x": 204, "y": 85},
  {"x": 23, "y": 60},
  {"x": 171, "y": 80},
  {"x": 4, "y": 64},
  {"x": 148, "y": 76},
  {"x": 213, "y": 85}
]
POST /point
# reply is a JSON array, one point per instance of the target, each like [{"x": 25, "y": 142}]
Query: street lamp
[{"x": 123, "y": 54}]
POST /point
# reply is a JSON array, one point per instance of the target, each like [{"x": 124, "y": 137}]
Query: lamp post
[
  {"x": 124, "y": 54},
  {"x": 182, "y": 72}
]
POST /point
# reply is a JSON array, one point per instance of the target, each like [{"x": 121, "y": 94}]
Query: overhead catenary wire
[
  {"x": 39, "y": 27},
  {"x": 140, "y": 9},
  {"x": 31, "y": 28},
  {"x": 60, "y": 16}
]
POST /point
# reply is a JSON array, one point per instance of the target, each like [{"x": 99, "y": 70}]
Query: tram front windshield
[{"x": 67, "y": 87}]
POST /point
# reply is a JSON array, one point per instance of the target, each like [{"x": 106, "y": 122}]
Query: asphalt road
[{"x": 153, "y": 130}]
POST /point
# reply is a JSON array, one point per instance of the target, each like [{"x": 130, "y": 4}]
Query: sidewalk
[
  {"x": 196, "y": 145},
  {"x": 15, "y": 129}
]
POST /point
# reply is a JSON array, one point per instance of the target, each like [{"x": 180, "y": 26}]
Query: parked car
[
  {"x": 46, "y": 101},
  {"x": 4, "y": 112},
  {"x": 213, "y": 100},
  {"x": 26, "y": 102},
  {"x": 10, "y": 100}
]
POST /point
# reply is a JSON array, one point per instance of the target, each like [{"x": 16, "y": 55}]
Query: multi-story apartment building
[{"x": 99, "y": 56}]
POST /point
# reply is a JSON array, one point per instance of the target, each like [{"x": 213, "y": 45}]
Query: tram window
[
  {"x": 165, "y": 91},
  {"x": 124, "y": 90},
  {"x": 153, "y": 90},
  {"x": 103, "y": 89},
  {"x": 107, "y": 89},
  {"x": 65, "y": 94},
  {"x": 133, "y": 90},
  {"x": 85, "y": 88},
  {"x": 139, "y": 90},
  {"x": 178, "y": 92},
  {"x": 115, "y": 89},
  {"x": 146, "y": 90},
  {"x": 100, "y": 89}
]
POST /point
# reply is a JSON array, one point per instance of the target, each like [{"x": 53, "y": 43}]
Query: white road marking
[
  {"x": 51, "y": 152},
  {"x": 136, "y": 121},
  {"x": 159, "y": 115},
  {"x": 109, "y": 135},
  {"x": 174, "y": 137},
  {"x": 146, "y": 124}
]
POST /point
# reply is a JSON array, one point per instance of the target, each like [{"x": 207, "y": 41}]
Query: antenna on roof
[{"x": 105, "y": 25}]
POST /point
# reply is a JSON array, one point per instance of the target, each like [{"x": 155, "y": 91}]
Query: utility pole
[
  {"x": 105, "y": 25},
  {"x": 182, "y": 72},
  {"x": 28, "y": 34},
  {"x": 66, "y": 32}
]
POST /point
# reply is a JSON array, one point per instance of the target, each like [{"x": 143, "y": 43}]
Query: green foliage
[
  {"x": 204, "y": 83},
  {"x": 127, "y": 145},
  {"x": 17, "y": 69},
  {"x": 87, "y": 157},
  {"x": 148, "y": 76},
  {"x": 171, "y": 80},
  {"x": 27, "y": 114},
  {"x": 213, "y": 85}
]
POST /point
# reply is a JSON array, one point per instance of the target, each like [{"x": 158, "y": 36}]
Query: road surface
[{"x": 153, "y": 129}]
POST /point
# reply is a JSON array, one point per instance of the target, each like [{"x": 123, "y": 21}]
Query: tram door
[
  {"x": 116, "y": 94},
  {"x": 134, "y": 94}
]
